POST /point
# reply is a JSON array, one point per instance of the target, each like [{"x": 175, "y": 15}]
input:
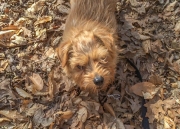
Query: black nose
[{"x": 98, "y": 80}]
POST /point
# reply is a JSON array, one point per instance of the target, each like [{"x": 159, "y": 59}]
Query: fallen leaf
[
  {"x": 7, "y": 34},
  {"x": 11, "y": 114},
  {"x": 169, "y": 123},
  {"x": 10, "y": 27},
  {"x": 171, "y": 6},
  {"x": 23, "y": 93},
  {"x": 4, "y": 119},
  {"x": 3, "y": 65},
  {"x": 43, "y": 19},
  {"x": 109, "y": 108},
  {"x": 155, "y": 79},
  {"x": 139, "y": 88},
  {"x": 37, "y": 80},
  {"x": 65, "y": 114},
  {"x": 82, "y": 114}
]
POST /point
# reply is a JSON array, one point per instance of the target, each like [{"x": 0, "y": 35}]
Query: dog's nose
[{"x": 98, "y": 80}]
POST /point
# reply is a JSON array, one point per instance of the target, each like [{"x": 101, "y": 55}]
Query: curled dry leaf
[
  {"x": 3, "y": 65},
  {"x": 6, "y": 34},
  {"x": 150, "y": 95},
  {"x": 65, "y": 114},
  {"x": 4, "y": 119},
  {"x": 176, "y": 66},
  {"x": 10, "y": 27},
  {"x": 171, "y": 6},
  {"x": 144, "y": 87},
  {"x": 146, "y": 45},
  {"x": 120, "y": 124},
  {"x": 15, "y": 39},
  {"x": 35, "y": 8},
  {"x": 37, "y": 80},
  {"x": 41, "y": 33},
  {"x": 50, "y": 53},
  {"x": 26, "y": 32},
  {"x": 82, "y": 114},
  {"x": 109, "y": 108},
  {"x": 11, "y": 114},
  {"x": 23, "y": 93},
  {"x": 43, "y": 19},
  {"x": 169, "y": 123},
  {"x": 177, "y": 27}
]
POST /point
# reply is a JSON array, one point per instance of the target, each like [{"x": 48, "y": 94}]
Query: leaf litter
[{"x": 35, "y": 93}]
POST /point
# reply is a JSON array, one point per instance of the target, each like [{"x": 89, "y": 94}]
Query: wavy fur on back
[{"x": 91, "y": 15}]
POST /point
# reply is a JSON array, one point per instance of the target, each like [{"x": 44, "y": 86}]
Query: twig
[{"x": 19, "y": 45}]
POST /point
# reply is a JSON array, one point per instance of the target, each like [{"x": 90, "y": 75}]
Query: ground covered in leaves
[{"x": 34, "y": 93}]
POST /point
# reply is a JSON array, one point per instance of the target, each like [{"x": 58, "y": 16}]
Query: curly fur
[{"x": 89, "y": 40}]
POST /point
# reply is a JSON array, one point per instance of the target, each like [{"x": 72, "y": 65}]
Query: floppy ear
[{"x": 63, "y": 52}]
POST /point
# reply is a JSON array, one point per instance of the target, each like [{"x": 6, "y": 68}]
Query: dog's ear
[{"x": 63, "y": 52}]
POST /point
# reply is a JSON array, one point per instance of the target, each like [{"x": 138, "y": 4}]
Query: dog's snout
[{"x": 98, "y": 80}]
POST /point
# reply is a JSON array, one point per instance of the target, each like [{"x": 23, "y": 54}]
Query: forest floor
[{"x": 36, "y": 94}]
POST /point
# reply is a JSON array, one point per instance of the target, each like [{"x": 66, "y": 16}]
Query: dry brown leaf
[
  {"x": 23, "y": 93},
  {"x": 129, "y": 126},
  {"x": 150, "y": 95},
  {"x": 10, "y": 27},
  {"x": 177, "y": 27},
  {"x": 37, "y": 80},
  {"x": 146, "y": 45},
  {"x": 171, "y": 6},
  {"x": 169, "y": 123},
  {"x": 139, "y": 88},
  {"x": 3, "y": 65},
  {"x": 134, "y": 104},
  {"x": 34, "y": 107},
  {"x": 50, "y": 53},
  {"x": 21, "y": 21},
  {"x": 26, "y": 32},
  {"x": 82, "y": 114},
  {"x": 16, "y": 39},
  {"x": 176, "y": 66},
  {"x": 11, "y": 114},
  {"x": 6, "y": 34},
  {"x": 41, "y": 33},
  {"x": 120, "y": 124},
  {"x": 155, "y": 79},
  {"x": 43, "y": 19},
  {"x": 109, "y": 108},
  {"x": 35, "y": 8},
  {"x": 156, "y": 45},
  {"x": 65, "y": 114},
  {"x": 4, "y": 119}
]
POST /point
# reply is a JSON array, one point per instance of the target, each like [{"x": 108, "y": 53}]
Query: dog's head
[{"x": 89, "y": 59}]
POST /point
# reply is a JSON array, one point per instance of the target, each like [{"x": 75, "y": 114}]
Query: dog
[{"x": 88, "y": 51}]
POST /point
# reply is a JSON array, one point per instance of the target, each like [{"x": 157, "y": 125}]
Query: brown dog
[{"x": 88, "y": 52}]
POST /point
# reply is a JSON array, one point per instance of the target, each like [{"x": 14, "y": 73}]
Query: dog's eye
[{"x": 80, "y": 67}]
